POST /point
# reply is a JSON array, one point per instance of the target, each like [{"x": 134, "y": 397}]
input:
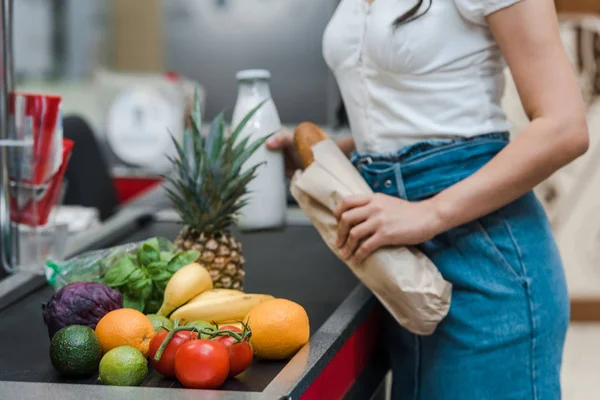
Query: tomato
[
  {"x": 166, "y": 364},
  {"x": 230, "y": 328},
  {"x": 240, "y": 355},
  {"x": 202, "y": 364}
]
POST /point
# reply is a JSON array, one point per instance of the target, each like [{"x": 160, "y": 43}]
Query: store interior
[{"x": 111, "y": 61}]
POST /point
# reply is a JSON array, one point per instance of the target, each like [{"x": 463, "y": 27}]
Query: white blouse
[{"x": 438, "y": 76}]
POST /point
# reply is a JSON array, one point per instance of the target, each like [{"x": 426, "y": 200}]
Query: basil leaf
[
  {"x": 137, "y": 287},
  {"x": 166, "y": 256},
  {"x": 153, "y": 242},
  {"x": 162, "y": 276},
  {"x": 136, "y": 275},
  {"x": 165, "y": 245},
  {"x": 136, "y": 303},
  {"x": 182, "y": 259},
  {"x": 161, "y": 285},
  {"x": 155, "y": 302},
  {"x": 146, "y": 292},
  {"x": 156, "y": 266},
  {"x": 120, "y": 272},
  {"x": 147, "y": 254},
  {"x": 158, "y": 271}
]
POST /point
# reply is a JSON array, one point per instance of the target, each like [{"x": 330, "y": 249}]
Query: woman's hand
[
  {"x": 284, "y": 140},
  {"x": 369, "y": 222}
]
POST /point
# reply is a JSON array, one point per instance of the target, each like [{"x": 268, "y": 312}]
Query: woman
[{"x": 422, "y": 85}]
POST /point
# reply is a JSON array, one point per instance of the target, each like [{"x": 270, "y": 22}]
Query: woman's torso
[{"x": 438, "y": 76}]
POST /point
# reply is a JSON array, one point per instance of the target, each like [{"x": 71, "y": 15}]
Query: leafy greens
[{"x": 142, "y": 277}]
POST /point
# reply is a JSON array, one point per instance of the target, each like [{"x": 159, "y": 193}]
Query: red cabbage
[{"x": 80, "y": 303}]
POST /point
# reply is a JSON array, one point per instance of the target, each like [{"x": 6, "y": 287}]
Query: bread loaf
[{"x": 306, "y": 136}]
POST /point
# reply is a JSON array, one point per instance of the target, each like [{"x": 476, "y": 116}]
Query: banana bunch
[
  {"x": 185, "y": 284},
  {"x": 220, "y": 305},
  {"x": 190, "y": 296}
]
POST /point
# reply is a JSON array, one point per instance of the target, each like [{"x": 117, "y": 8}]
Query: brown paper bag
[{"x": 404, "y": 280}]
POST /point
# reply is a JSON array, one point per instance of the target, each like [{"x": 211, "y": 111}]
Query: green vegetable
[
  {"x": 120, "y": 273},
  {"x": 148, "y": 254},
  {"x": 142, "y": 277},
  {"x": 182, "y": 259}
]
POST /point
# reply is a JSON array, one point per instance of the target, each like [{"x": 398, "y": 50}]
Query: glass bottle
[{"x": 267, "y": 200}]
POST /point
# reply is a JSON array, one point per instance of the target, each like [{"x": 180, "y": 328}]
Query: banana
[
  {"x": 215, "y": 293},
  {"x": 186, "y": 283},
  {"x": 219, "y": 309}
]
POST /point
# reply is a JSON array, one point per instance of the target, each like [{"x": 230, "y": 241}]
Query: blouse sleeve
[{"x": 476, "y": 10}]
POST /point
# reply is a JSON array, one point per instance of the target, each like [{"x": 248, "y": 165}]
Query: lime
[
  {"x": 201, "y": 325},
  {"x": 123, "y": 366},
  {"x": 75, "y": 351},
  {"x": 159, "y": 322}
]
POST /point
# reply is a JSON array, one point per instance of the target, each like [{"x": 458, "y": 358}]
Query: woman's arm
[
  {"x": 528, "y": 35},
  {"x": 346, "y": 145}
]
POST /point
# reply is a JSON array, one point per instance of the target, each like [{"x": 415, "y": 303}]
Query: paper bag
[{"x": 404, "y": 280}]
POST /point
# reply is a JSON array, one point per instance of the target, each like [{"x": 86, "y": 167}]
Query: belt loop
[
  {"x": 364, "y": 160},
  {"x": 400, "y": 181}
]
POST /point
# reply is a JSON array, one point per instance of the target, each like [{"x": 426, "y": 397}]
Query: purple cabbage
[{"x": 80, "y": 303}]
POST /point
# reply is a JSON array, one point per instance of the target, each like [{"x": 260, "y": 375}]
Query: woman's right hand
[{"x": 284, "y": 141}]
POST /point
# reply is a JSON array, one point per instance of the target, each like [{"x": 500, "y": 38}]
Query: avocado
[{"x": 75, "y": 351}]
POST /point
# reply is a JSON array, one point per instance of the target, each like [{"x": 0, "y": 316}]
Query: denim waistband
[
  {"x": 418, "y": 150},
  {"x": 423, "y": 169}
]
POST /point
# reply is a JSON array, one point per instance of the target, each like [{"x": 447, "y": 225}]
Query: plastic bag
[{"x": 92, "y": 265}]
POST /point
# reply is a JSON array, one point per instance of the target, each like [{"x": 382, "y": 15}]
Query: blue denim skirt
[{"x": 503, "y": 337}]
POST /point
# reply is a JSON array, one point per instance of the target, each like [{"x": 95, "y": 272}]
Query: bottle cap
[{"x": 252, "y": 74}]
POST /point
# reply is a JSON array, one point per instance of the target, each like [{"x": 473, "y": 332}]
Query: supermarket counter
[{"x": 342, "y": 359}]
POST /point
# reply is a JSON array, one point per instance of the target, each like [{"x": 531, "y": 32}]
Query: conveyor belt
[{"x": 293, "y": 263}]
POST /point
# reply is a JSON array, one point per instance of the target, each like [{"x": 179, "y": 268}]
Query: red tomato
[
  {"x": 240, "y": 355},
  {"x": 202, "y": 364},
  {"x": 166, "y": 364},
  {"x": 230, "y": 328}
]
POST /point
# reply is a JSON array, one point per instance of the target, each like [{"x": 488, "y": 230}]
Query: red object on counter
[
  {"x": 37, "y": 118},
  {"x": 347, "y": 365},
  {"x": 128, "y": 188},
  {"x": 202, "y": 364},
  {"x": 172, "y": 75},
  {"x": 166, "y": 365},
  {"x": 31, "y": 204}
]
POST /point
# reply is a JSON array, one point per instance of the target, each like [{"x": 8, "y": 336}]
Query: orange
[
  {"x": 125, "y": 327},
  {"x": 279, "y": 327}
]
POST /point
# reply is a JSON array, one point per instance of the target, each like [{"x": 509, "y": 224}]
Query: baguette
[{"x": 306, "y": 136}]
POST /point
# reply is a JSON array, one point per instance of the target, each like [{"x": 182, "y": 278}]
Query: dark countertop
[{"x": 293, "y": 263}]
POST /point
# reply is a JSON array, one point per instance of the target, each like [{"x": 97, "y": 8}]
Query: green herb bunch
[{"x": 142, "y": 277}]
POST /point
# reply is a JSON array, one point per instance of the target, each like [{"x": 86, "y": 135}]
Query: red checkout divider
[
  {"x": 350, "y": 361},
  {"x": 128, "y": 188}
]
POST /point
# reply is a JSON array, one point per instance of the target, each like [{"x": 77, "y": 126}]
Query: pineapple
[{"x": 208, "y": 189}]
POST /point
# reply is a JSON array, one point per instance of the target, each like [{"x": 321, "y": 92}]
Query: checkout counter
[{"x": 341, "y": 360}]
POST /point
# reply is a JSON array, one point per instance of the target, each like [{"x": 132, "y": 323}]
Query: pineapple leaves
[
  {"x": 196, "y": 120},
  {"x": 215, "y": 138},
  {"x": 208, "y": 186},
  {"x": 247, "y": 152},
  {"x": 238, "y": 129}
]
